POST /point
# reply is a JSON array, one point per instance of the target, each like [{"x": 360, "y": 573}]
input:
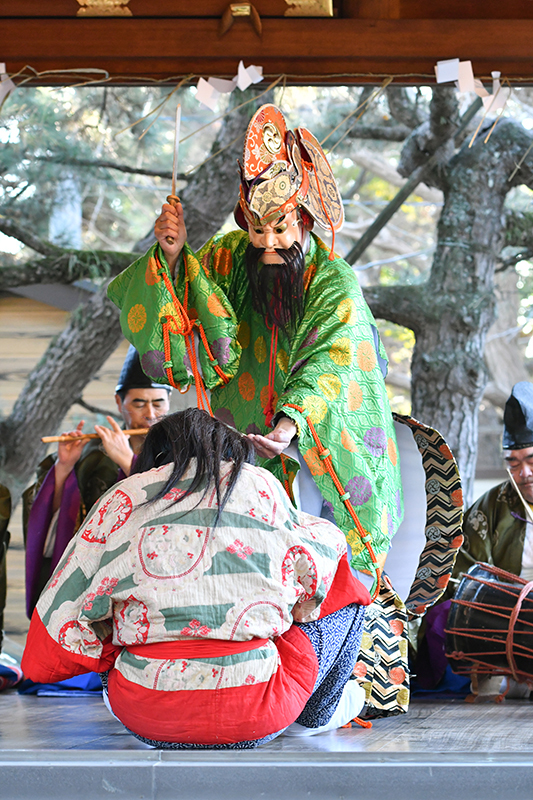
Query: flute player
[{"x": 69, "y": 484}]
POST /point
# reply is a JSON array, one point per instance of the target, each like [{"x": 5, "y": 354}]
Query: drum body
[{"x": 490, "y": 625}]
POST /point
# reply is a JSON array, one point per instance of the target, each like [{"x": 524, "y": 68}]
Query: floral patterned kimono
[{"x": 194, "y": 623}]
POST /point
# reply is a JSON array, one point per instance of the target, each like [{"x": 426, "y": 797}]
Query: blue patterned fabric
[{"x": 336, "y": 640}]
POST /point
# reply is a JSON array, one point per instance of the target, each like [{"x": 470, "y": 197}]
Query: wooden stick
[
  {"x": 67, "y": 438},
  {"x": 173, "y": 199}
]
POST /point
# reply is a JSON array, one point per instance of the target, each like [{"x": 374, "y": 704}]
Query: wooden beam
[
  {"x": 139, "y": 8},
  {"x": 310, "y": 50},
  {"x": 356, "y": 9}
]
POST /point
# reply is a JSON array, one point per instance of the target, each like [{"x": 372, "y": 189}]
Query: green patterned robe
[{"x": 329, "y": 368}]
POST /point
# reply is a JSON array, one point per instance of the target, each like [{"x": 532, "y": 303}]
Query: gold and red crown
[{"x": 283, "y": 170}]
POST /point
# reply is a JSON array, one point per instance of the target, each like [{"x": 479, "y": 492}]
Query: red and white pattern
[
  {"x": 119, "y": 506},
  {"x": 239, "y": 549},
  {"x": 299, "y": 566},
  {"x": 195, "y": 628},
  {"x": 105, "y": 588},
  {"x": 133, "y": 615},
  {"x": 79, "y": 639}
]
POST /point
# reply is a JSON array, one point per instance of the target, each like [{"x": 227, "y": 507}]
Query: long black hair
[{"x": 194, "y": 434}]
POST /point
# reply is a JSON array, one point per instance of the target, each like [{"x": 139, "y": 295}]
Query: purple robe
[{"x": 39, "y": 520}]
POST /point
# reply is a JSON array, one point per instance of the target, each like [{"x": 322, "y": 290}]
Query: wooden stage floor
[{"x": 72, "y": 747}]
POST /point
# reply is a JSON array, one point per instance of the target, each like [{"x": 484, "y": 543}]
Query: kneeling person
[{"x": 221, "y": 613}]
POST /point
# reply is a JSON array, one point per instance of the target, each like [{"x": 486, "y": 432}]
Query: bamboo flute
[{"x": 67, "y": 438}]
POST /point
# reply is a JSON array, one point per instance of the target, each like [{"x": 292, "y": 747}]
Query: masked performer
[
  {"x": 222, "y": 614},
  {"x": 69, "y": 484},
  {"x": 287, "y": 344}
]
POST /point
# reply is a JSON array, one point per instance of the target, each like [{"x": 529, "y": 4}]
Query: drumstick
[{"x": 67, "y": 438}]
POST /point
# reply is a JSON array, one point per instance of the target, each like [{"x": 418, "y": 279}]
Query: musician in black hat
[
  {"x": 497, "y": 529},
  {"x": 69, "y": 483}
]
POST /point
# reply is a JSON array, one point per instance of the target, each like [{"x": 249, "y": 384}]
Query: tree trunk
[
  {"x": 69, "y": 363},
  {"x": 93, "y": 332},
  {"x": 503, "y": 356},
  {"x": 448, "y": 368},
  {"x": 64, "y": 225}
]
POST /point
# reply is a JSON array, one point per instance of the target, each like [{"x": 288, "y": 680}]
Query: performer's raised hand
[
  {"x": 116, "y": 444},
  {"x": 275, "y": 442},
  {"x": 170, "y": 224}
]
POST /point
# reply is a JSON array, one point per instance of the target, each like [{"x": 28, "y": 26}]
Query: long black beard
[{"x": 278, "y": 289}]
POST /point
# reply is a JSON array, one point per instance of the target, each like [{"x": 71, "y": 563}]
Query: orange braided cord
[
  {"x": 269, "y": 410},
  {"x": 326, "y": 460},
  {"x": 285, "y": 474},
  {"x": 183, "y": 318},
  {"x": 166, "y": 346},
  {"x": 331, "y": 256},
  {"x": 509, "y": 646},
  {"x": 363, "y": 723},
  {"x": 183, "y": 326}
]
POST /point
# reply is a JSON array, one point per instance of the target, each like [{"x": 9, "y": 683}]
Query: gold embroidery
[{"x": 104, "y": 8}]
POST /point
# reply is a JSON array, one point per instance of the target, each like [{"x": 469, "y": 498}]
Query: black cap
[
  {"x": 518, "y": 418},
  {"x": 132, "y": 375}
]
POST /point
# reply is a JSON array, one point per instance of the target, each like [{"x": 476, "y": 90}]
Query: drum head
[{"x": 479, "y": 620}]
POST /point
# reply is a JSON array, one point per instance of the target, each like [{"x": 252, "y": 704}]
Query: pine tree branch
[
  {"x": 65, "y": 268},
  {"x": 79, "y": 401},
  {"x": 23, "y": 235},
  {"x": 403, "y": 305},
  {"x": 401, "y": 108},
  {"x": 88, "y": 162},
  {"x": 443, "y": 114},
  {"x": 519, "y": 229},
  {"x": 72, "y": 358},
  {"x": 418, "y": 175},
  {"x": 386, "y": 133}
]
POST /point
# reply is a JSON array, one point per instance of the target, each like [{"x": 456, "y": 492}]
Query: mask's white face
[{"x": 281, "y": 234}]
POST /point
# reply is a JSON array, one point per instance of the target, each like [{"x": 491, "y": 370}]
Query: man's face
[
  {"x": 281, "y": 233},
  {"x": 520, "y": 465},
  {"x": 142, "y": 408}
]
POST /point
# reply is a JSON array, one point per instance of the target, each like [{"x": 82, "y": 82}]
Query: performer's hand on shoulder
[
  {"x": 116, "y": 444},
  {"x": 171, "y": 223},
  {"x": 274, "y": 443}
]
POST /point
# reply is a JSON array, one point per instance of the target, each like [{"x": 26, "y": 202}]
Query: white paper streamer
[
  {"x": 6, "y": 84},
  {"x": 210, "y": 90},
  {"x": 462, "y": 73},
  {"x": 207, "y": 94},
  {"x": 222, "y": 86},
  {"x": 466, "y": 81},
  {"x": 499, "y": 96},
  {"x": 447, "y": 70}
]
